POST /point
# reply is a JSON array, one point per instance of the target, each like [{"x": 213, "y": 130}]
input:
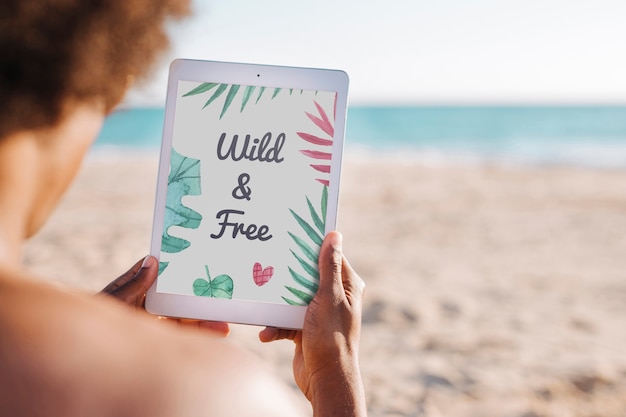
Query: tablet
[{"x": 247, "y": 188}]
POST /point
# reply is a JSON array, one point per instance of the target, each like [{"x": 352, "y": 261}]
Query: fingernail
[{"x": 147, "y": 262}]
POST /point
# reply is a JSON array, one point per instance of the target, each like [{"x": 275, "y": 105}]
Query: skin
[{"x": 72, "y": 354}]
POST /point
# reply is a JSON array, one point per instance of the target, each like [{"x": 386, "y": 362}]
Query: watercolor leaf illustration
[
  {"x": 183, "y": 180},
  {"x": 219, "y": 287},
  {"x": 308, "y": 252},
  {"x": 220, "y": 89},
  {"x": 323, "y": 153}
]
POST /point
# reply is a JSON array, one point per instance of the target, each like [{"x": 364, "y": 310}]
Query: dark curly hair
[{"x": 56, "y": 51}]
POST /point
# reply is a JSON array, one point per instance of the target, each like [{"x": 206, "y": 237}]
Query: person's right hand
[{"x": 326, "y": 364}]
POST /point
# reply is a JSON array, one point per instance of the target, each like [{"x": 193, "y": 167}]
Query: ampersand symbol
[{"x": 241, "y": 191}]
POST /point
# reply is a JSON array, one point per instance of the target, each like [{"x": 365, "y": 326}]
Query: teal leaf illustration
[
  {"x": 309, "y": 248},
  {"x": 305, "y": 297},
  {"x": 219, "y": 287},
  {"x": 308, "y": 268},
  {"x": 324, "y": 202},
  {"x": 184, "y": 179},
  {"x": 162, "y": 266},
  {"x": 309, "y": 285},
  {"x": 216, "y": 94},
  {"x": 306, "y": 250},
  {"x": 291, "y": 302},
  {"x": 311, "y": 233},
  {"x": 202, "y": 88},
  {"x": 229, "y": 98},
  {"x": 319, "y": 223},
  {"x": 246, "y": 96},
  {"x": 231, "y": 95},
  {"x": 261, "y": 91}
]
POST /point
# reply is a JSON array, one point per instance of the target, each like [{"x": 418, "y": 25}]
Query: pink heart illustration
[{"x": 262, "y": 276}]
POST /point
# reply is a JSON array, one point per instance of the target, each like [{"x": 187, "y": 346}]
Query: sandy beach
[{"x": 491, "y": 290}]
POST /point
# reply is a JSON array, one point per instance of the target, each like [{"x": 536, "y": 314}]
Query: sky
[{"x": 419, "y": 51}]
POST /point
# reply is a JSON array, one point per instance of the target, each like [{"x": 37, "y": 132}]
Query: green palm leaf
[
  {"x": 310, "y": 279},
  {"x": 202, "y": 88},
  {"x": 306, "y": 298},
  {"x": 261, "y": 91},
  {"x": 229, "y": 98},
  {"x": 246, "y": 96},
  {"x": 316, "y": 219},
  {"x": 310, "y": 232},
  {"x": 293, "y": 303},
  {"x": 232, "y": 92},
  {"x": 216, "y": 94},
  {"x": 324, "y": 202},
  {"x": 308, "y": 252},
  {"x": 309, "y": 285},
  {"x": 309, "y": 269}
]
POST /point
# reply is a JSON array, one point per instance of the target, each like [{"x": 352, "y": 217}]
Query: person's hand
[
  {"x": 325, "y": 363},
  {"x": 131, "y": 288}
]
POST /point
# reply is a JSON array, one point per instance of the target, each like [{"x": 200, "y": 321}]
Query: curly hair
[{"x": 56, "y": 51}]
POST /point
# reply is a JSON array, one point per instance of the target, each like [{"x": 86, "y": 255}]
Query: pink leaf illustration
[
  {"x": 324, "y": 123},
  {"x": 317, "y": 154},
  {"x": 315, "y": 139},
  {"x": 321, "y": 168},
  {"x": 329, "y": 127}
]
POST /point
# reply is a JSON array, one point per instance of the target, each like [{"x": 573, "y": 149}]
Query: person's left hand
[{"x": 131, "y": 288}]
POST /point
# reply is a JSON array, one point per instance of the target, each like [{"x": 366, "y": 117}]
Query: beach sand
[{"x": 491, "y": 290}]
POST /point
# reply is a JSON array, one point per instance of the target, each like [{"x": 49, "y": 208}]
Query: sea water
[{"x": 562, "y": 135}]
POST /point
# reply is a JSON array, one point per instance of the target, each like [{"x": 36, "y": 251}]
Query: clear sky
[{"x": 421, "y": 51}]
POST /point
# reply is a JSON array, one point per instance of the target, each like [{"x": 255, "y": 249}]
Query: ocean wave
[{"x": 590, "y": 154}]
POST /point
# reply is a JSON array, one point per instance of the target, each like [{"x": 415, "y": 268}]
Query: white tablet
[{"x": 247, "y": 189}]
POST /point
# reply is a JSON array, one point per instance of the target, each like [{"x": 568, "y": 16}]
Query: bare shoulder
[{"x": 69, "y": 354}]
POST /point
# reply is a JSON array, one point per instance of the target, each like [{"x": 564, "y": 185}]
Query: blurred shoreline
[
  {"x": 574, "y": 135},
  {"x": 492, "y": 289}
]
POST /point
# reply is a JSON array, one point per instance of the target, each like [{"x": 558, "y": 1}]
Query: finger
[
  {"x": 270, "y": 334},
  {"x": 145, "y": 277},
  {"x": 125, "y": 277},
  {"x": 330, "y": 265},
  {"x": 133, "y": 290},
  {"x": 217, "y": 328}
]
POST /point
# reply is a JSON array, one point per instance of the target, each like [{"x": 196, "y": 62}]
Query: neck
[
  {"x": 19, "y": 168},
  {"x": 36, "y": 167}
]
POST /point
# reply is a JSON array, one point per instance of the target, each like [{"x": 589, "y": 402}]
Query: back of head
[{"x": 54, "y": 52}]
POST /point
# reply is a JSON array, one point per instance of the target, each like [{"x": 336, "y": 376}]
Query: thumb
[
  {"x": 131, "y": 286},
  {"x": 330, "y": 266},
  {"x": 143, "y": 279}
]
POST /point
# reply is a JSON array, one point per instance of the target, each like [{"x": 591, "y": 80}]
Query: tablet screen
[{"x": 246, "y": 191}]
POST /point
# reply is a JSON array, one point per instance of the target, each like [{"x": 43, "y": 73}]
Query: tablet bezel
[{"x": 235, "y": 310}]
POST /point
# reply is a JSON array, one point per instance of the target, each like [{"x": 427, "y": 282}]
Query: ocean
[{"x": 593, "y": 136}]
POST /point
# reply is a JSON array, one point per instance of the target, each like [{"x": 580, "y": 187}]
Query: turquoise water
[{"x": 573, "y": 135}]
